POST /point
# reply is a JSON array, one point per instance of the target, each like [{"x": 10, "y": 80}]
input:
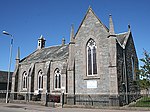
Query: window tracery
[{"x": 91, "y": 58}]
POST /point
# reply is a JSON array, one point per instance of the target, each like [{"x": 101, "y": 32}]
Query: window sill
[
  {"x": 91, "y": 77},
  {"x": 24, "y": 89},
  {"x": 56, "y": 91}
]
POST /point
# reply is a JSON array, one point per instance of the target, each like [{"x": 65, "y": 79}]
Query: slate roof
[
  {"x": 123, "y": 38},
  {"x": 4, "y": 75},
  {"x": 50, "y": 53}
]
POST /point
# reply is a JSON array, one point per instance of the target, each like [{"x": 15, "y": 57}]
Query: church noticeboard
[{"x": 91, "y": 84}]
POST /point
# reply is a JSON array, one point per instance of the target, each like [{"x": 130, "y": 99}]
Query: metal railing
[{"x": 134, "y": 99}]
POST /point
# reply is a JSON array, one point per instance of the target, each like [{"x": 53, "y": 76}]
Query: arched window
[
  {"x": 25, "y": 80},
  {"x": 57, "y": 79},
  {"x": 91, "y": 58},
  {"x": 40, "y": 80},
  {"x": 132, "y": 64}
]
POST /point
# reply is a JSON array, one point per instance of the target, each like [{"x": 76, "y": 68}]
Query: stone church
[{"x": 97, "y": 64}]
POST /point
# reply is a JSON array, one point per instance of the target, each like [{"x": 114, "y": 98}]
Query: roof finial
[
  {"x": 129, "y": 28},
  {"x": 72, "y": 33},
  {"x": 111, "y": 26},
  {"x": 89, "y": 6}
]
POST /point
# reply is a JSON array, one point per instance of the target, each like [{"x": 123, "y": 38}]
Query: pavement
[{"x": 11, "y": 107}]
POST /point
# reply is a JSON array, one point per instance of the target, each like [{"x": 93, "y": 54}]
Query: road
[{"x": 36, "y": 108}]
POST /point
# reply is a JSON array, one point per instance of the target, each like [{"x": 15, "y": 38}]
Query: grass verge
[{"x": 143, "y": 102}]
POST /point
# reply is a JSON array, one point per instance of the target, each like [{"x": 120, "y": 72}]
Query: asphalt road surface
[{"x": 36, "y": 108}]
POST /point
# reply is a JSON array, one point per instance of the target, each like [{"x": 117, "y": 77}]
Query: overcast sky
[{"x": 26, "y": 20}]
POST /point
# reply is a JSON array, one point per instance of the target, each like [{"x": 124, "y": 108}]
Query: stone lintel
[{"x": 91, "y": 77}]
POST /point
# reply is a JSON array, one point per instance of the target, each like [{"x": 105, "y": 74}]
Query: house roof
[
  {"x": 62, "y": 52},
  {"x": 50, "y": 53},
  {"x": 122, "y": 38},
  {"x": 4, "y": 75}
]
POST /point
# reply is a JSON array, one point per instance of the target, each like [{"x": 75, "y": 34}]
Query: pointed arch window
[
  {"x": 91, "y": 58},
  {"x": 40, "y": 80},
  {"x": 25, "y": 80},
  {"x": 57, "y": 79}
]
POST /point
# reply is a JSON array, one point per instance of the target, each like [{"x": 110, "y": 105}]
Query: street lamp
[{"x": 9, "y": 66}]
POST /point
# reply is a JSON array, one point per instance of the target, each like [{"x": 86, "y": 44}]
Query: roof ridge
[
  {"x": 55, "y": 46},
  {"x": 126, "y": 39},
  {"x": 122, "y": 33},
  {"x": 45, "y": 53},
  {"x": 41, "y": 49}
]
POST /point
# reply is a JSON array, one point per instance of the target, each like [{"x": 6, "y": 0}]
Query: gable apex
[{"x": 90, "y": 11}]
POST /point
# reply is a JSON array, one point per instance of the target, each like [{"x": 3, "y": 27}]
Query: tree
[{"x": 144, "y": 72}]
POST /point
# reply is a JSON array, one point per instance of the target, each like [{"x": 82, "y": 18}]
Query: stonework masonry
[{"x": 104, "y": 74}]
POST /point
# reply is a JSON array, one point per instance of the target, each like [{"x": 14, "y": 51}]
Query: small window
[
  {"x": 40, "y": 80},
  {"x": 39, "y": 43},
  {"x": 25, "y": 80},
  {"x": 91, "y": 58},
  {"x": 57, "y": 79}
]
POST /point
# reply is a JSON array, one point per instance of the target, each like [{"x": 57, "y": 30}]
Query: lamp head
[{"x": 6, "y": 33}]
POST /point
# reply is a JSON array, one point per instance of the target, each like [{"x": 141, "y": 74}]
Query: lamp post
[{"x": 9, "y": 66}]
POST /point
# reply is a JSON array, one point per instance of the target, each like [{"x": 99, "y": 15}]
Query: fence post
[{"x": 62, "y": 99}]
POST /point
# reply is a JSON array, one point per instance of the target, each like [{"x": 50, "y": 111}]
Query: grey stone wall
[
  {"x": 48, "y": 77},
  {"x": 91, "y": 27},
  {"x": 125, "y": 78},
  {"x": 120, "y": 73},
  {"x": 38, "y": 67},
  {"x": 131, "y": 53},
  {"x": 22, "y": 68},
  {"x": 57, "y": 64},
  {"x": 74, "y": 80}
]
